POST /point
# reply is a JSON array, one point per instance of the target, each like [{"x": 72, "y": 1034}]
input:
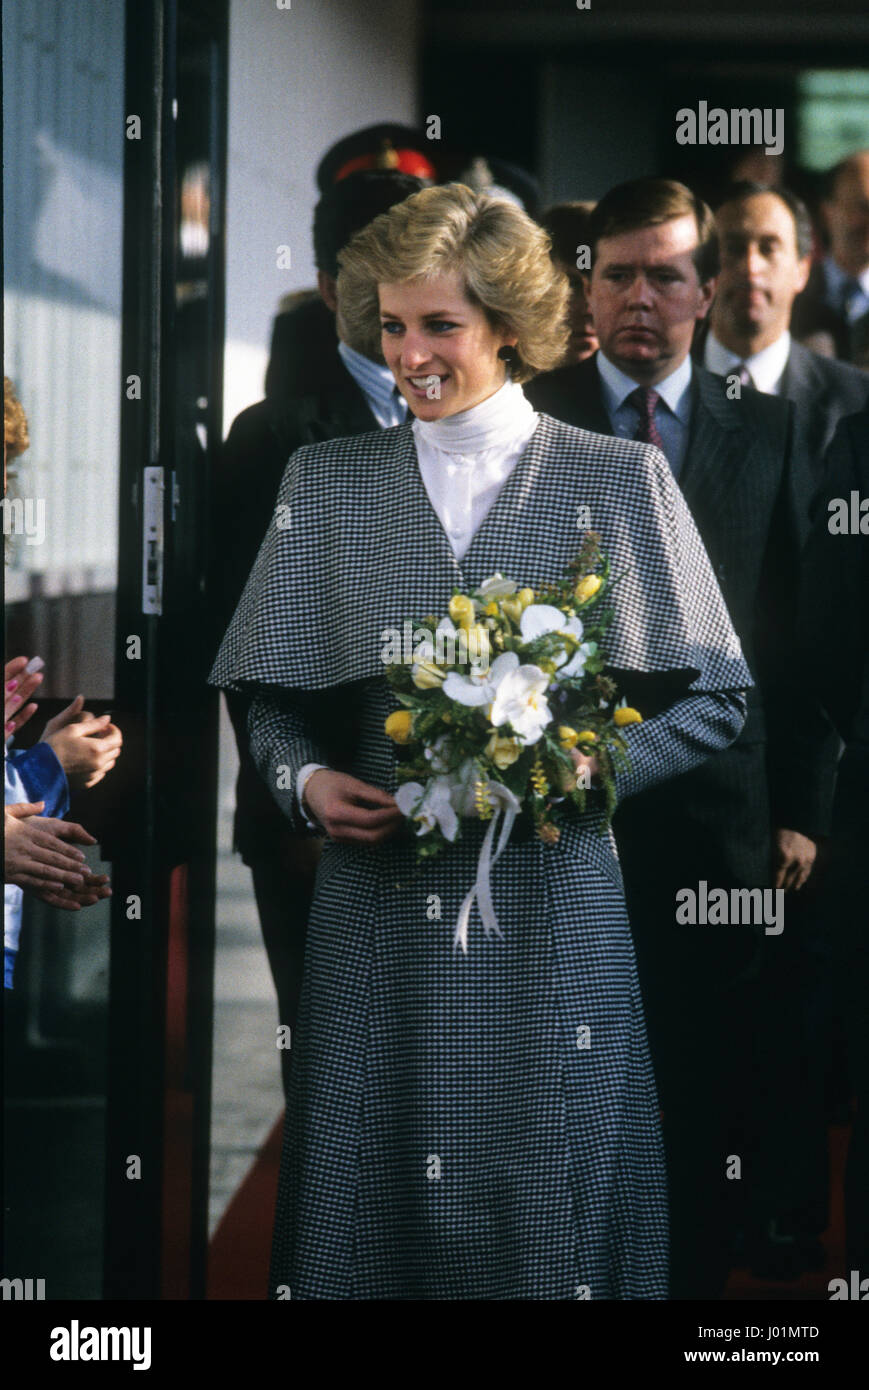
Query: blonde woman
[{"x": 479, "y": 1126}]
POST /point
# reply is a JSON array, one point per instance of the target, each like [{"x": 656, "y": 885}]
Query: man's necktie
[
  {"x": 744, "y": 375},
  {"x": 644, "y": 400}
]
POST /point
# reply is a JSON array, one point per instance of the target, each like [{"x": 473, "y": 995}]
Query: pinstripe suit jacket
[{"x": 749, "y": 485}]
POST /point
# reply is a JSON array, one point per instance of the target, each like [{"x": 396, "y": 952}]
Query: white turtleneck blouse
[{"x": 464, "y": 461}]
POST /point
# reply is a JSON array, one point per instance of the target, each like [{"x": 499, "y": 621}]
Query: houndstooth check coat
[{"x": 481, "y": 1126}]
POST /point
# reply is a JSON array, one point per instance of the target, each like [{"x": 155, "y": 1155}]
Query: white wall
[
  {"x": 63, "y": 133},
  {"x": 299, "y": 79}
]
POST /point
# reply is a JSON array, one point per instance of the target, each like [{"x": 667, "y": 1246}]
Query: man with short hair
[
  {"x": 837, "y": 295},
  {"x": 749, "y": 817},
  {"x": 339, "y": 391},
  {"x": 836, "y": 613},
  {"x": 765, "y": 238}
]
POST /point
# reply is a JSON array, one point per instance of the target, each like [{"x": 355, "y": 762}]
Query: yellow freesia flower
[
  {"x": 525, "y": 597},
  {"x": 426, "y": 675},
  {"x": 567, "y": 737},
  {"x": 626, "y": 715},
  {"x": 462, "y": 610},
  {"x": 399, "y": 726},
  {"x": 502, "y": 751},
  {"x": 479, "y": 639},
  {"x": 586, "y": 736},
  {"x": 586, "y": 588}
]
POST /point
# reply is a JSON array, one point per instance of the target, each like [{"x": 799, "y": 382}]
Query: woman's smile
[{"x": 440, "y": 346}]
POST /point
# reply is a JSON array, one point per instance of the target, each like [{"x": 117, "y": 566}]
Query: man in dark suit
[
  {"x": 835, "y": 627},
  {"x": 765, "y": 239},
  {"x": 748, "y": 818},
  {"x": 836, "y": 298},
  {"x": 348, "y": 394}
]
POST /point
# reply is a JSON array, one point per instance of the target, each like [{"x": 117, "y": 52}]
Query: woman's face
[{"x": 441, "y": 348}]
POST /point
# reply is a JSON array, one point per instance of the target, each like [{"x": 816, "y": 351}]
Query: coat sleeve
[
  {"x": 801, "y": 744},
  {"x": 42, "y": 777},
  {"x": 281, "y": 743},
  {"x": 679, "y": 739},
  {"x": 834, "y": 617}
]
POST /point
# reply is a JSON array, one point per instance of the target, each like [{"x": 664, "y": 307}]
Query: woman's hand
[
  {"x": 19, "y": 687},
  {"x": 41, "y": 854},
  {"x": 580, "y": 760},
  {"x": 93, "y": 887},
  {"x": 87, "y": 746},
  {"x": 350, "y": 811}
]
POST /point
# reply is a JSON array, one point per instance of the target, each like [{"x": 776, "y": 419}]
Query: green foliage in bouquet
[{"x": 502, "y": 693}]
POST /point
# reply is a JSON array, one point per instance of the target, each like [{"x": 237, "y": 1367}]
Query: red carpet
[
  {"x": 238, "y": 1257},
  {"x": 239, "y": 1253}
]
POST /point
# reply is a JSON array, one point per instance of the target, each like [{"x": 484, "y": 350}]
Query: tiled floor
[{"x": 246, "y": 1087}]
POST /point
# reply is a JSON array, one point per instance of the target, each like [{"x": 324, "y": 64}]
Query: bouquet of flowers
[{"x": 495, "y": 698}]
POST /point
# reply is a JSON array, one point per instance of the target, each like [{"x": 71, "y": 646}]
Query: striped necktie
[{"x": 644, "y": 400}]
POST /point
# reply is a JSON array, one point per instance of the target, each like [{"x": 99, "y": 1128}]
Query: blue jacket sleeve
[{"x": 42, "y": 777}]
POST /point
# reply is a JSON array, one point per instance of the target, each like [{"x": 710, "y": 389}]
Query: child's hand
[{"x": 87, "y": 746}]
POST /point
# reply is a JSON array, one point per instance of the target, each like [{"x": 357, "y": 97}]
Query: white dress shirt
[
  {"x": 846, "y": 294},
  {"x": 672, "y": 411},
  {"x": 766, "y": 368},
  {"x": 377, "y": 385},
  {"x": 464, "y": 461}
]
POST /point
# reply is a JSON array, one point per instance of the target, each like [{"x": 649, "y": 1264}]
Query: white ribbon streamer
[{"x": 507, "y": 805}]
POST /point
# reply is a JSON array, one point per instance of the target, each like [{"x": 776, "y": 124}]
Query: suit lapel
[
  {"x": 718, "y": 446},
  {"x": 590, "y": 395},
  {"x": 804, "y": 384}
]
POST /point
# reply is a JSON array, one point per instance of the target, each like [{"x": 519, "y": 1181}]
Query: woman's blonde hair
[{"x": 501, "y": 253}]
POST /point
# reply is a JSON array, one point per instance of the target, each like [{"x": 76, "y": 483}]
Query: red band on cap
[{"x": 406, "y": 162}]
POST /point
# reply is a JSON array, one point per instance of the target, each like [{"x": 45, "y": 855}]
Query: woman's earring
[{"x": 507, "y": 353}]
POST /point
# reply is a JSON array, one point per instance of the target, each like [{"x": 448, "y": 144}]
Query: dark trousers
[
  {"x": 794, "y": 1038},
  {"x": 700, "y": 1016},
  {"x": 698, "y": 986},
  {"x": 848, "y": 924},
  {"x": 284, "y": 886}
]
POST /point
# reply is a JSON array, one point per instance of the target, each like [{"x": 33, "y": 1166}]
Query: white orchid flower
[
  {"x": 463, "y": 791},
  {"x": 520, "y": 701},
  {"x": 539, "y": 619},
  {"x": 429, "y": 806},
  {"x": 481, "y": 686},
  {"x": 435, "y": 754},
  {"x": 576, "y": 664},
  {"x": 495, "y": 587}
]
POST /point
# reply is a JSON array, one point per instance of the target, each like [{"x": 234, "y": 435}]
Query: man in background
[
  {"x": 348, "y": 394},
  {"x": 835, "y": 628},
  {"x": 749, "y": 817},
  {"x": 765, "y": 239},
  {"x": 836, "y": 298}
]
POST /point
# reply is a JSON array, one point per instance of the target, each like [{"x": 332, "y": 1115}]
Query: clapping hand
[
  {"x": 87, "y": 746},
  {"x": 41, "y": 856},
  {"x": 19, "y": 687}
]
